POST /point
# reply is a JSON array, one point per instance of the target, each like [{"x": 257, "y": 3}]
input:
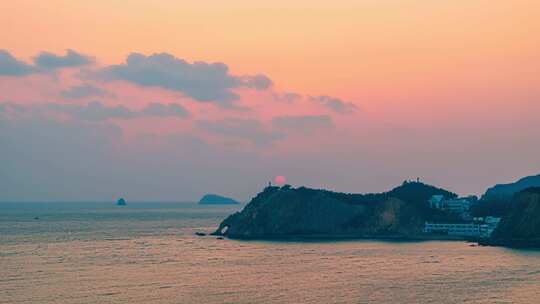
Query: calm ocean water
[{"x": 148, "y": 253}]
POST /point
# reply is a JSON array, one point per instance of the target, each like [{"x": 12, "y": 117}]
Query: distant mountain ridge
[
  {"x": 214, "y": 199},
  {"x": 506, "y": 191}
]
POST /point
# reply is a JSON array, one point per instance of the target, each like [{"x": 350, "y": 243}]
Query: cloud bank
[
  {"x": 200, "y": 80},
  {"x": 90, "y": 126},
  {"x": 49, "y": 60},
  {"x": 10, "y": 66}
]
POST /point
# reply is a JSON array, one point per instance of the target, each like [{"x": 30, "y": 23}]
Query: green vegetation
[
  {"x": 521, "y": 227},
  {"x": 280, "y": 212}
]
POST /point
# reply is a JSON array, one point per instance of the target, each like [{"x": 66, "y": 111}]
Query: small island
[
  {"x": 214, "y": 199},
  {"x": 121, "y": 202}
]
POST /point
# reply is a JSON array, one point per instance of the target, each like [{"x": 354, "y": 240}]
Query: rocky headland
[
  {"x": 286, "y": 212},
  {"x": 521, "y": 226}
]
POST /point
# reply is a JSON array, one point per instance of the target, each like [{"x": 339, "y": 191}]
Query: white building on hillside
[
  {"x": 456, "y": 205},
  {"x": 436, "y": 201},
  {"x": 462, "y": 229},
  {"x": 480, "y": 227}
]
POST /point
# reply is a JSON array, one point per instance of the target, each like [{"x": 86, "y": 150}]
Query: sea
[{"x": 148, "y": 253}]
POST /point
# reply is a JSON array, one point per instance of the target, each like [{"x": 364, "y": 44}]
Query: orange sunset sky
[{"x": 353, "y": 96}]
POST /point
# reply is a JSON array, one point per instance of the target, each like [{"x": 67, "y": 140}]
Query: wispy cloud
[
  {"x": 84, "y": 90},
  {"x": 97, "y": 111},
  {"x": 245, "y": 129},
  {"x": 302, "y": 123},
  {"x": 289, "y": 97},
  {"x": 335, "y": 104}
]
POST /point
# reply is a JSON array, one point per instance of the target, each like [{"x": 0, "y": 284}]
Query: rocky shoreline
[
  {"x": 514, "y": 243},
  {"x": 339, "y": 237}
]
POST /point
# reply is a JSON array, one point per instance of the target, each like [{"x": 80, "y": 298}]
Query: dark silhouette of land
[
  {"x": 280, "y": 212},
  {"x": 496, "y": 201},
  {"x": 214, "y": 199},
  {"x": 399, "y": 214},
  {"x": 521, "y": 226}
]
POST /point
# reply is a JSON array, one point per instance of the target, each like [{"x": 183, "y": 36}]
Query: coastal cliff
[
  {"x": 521, "y": 227},
  {"x": 281, "y": 212}
]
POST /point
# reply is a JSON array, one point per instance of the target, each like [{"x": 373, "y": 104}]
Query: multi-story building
[
  {"x": 462, "y": 229},
  {"x": 436, "y": 201},
  {"x": 479, "y": 227},
  {"x": 456, "y": 205}
]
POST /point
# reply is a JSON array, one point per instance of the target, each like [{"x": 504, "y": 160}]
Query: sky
[{"x": 169, "y": 100}]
